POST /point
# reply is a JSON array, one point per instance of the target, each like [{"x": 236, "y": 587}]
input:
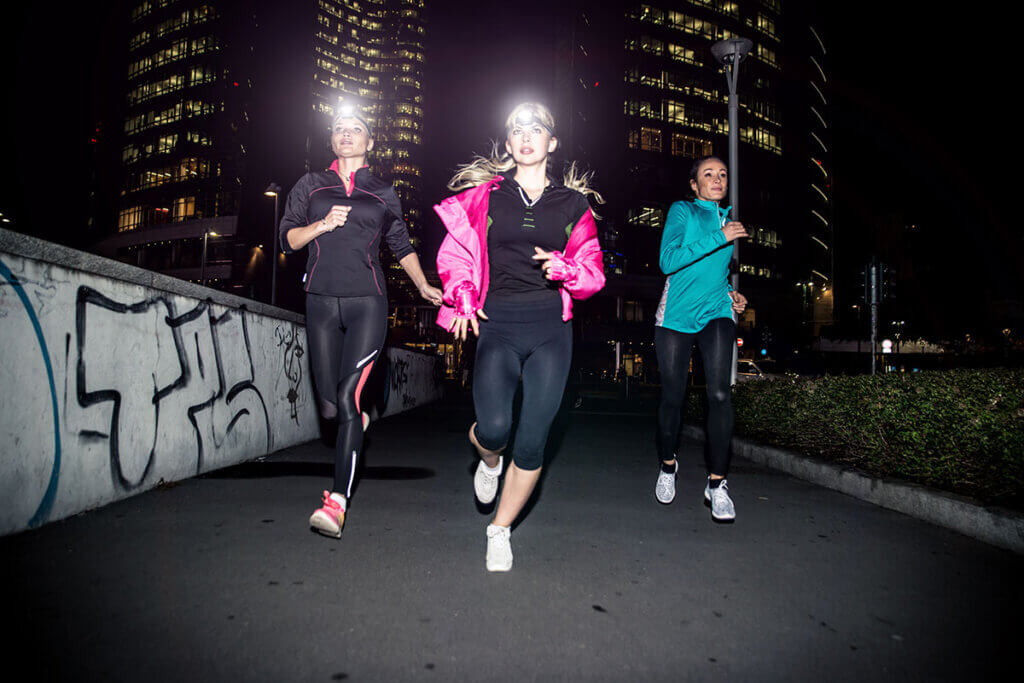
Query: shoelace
[{"x": 331, "y": 504}]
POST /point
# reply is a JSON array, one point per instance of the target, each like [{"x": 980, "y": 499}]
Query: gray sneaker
[
  {"x": 722, "y": 509},
  {"x": 665, "y": 489},
  {"x": 499, "y": 548}
]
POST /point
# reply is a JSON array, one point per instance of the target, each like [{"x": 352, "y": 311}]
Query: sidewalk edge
[{"x": 996, "y": 526}]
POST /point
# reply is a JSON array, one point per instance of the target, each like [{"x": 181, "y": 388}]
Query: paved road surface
[{"x": 218, "y": 579}]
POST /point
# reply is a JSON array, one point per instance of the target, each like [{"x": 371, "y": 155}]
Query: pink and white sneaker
[{"x": 329, "y": 519}]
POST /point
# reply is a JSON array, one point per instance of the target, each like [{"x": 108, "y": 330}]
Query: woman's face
[
  {"x": 530, "y": 144},
  {"x": 712, "y": 181},
  {"x": 350, "y": 139}
]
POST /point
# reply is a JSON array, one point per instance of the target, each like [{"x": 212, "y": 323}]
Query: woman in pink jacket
[{"x": 520, "y": 247}]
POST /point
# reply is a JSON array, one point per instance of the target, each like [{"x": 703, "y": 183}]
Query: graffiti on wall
[
  {"x": 46, "y": 503},
  {"x": 411, "y": 380},
  {"x": 144, "y": 360},
  {"x": 293, "y": 352}
]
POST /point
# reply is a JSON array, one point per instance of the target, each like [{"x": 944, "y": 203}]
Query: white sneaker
[
  {"x": 499, "y": 548},
  {"x": 485, "y": 480},
  {"x": 722, "y": 508},
  {"x": 665, "y": 489}
]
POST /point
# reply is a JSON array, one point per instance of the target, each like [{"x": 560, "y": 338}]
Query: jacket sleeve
[
  {"x": 294, "y": 212},
  {"x": 454, "y": 266},
  {"x": 679, "y": 248},
  {"x": 589, "y": 260},
  {"x": 395, "y": 231}
]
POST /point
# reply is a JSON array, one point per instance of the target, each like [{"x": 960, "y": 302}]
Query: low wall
[
  {"x": 410, "y": 379},
  {"x": 115, "y": 379}
]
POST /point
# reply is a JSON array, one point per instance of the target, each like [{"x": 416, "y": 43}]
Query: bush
[{"x": 958, "y": 430}]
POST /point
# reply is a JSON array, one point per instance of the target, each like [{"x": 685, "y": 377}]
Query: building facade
[
  {"x": 223, "y": 98},
  {"x": 183, "y": 140},
  {"x": 645, "y": 98}
]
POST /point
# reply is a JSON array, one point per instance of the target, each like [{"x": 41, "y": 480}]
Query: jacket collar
[
  {"x": 336, "y": 167},
  {"x": 712, "y": 206}
]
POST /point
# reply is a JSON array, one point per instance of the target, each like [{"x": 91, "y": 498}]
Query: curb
[{"x": 996, "y": 526}]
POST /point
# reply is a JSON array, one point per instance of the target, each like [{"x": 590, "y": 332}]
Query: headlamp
[
  {"x": 348, "y": 111},
  {"x": 525, "y": 118}
]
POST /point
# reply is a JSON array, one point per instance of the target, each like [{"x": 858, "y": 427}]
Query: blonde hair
[{"x": 482, "y": 169}]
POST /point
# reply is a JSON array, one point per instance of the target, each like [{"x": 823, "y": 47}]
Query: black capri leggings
[
  {"x": 345, "y": 336},
  {"x": 531, "y": 340},
  {"x": 674, "y": 348}
]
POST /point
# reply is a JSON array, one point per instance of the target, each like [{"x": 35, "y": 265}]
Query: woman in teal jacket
[{"x": 697, "y": 306}]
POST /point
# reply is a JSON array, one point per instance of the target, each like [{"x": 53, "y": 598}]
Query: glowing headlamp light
[
  {"x": 525, "y": 118},
  {"x": 348, "y": 111}
]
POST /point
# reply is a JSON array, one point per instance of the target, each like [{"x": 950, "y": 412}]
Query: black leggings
[
  {"x": 716, "y": 342},
  {"x": 531, "y": 340},
  {"x": 345, "y": 336}
]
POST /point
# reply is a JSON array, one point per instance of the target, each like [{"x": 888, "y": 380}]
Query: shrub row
[{"x": 958, "y": 430}]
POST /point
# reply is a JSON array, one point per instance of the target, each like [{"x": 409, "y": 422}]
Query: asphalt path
[{"x": 219, "y": 579}]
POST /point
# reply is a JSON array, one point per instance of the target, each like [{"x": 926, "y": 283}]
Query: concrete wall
[
  {"x": 410, "y": 379},
  {"x": 115, "y": 379}
]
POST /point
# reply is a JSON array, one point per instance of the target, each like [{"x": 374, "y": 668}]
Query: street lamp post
[
  {"x": 202, "y": 267},
  {"x": 730, "y": 53},
  {"x": 273, "y": 190}
]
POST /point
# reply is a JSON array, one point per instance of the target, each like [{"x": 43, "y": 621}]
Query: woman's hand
[
  {"x": 556, "y": 267},
  {"x": 739, "y": 302},
  {"x": 335, "y": 218},
  {"x": 733, "y": 230},
  {"x": 460, "y": 326},
  {"x": 431, "y": 294}
]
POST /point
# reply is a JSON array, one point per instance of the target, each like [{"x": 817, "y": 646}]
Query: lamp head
[{"x": 731, "y": 50}]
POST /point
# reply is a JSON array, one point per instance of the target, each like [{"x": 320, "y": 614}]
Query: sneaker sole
[
  {"x": 319, "y": 523},
  {"x": 499, "y": 568}
]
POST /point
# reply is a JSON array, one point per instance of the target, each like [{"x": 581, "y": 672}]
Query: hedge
[{"x": 958, "y": 430}]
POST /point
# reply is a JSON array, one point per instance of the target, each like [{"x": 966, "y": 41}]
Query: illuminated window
[
  {"x": 129, "y": 219},
  {"x": 166, "y": 144},
  {"x": 761, "y": 137},
  {"x": 682, "y": 54},
  {"x": 200, "y": 75},
  {"x": 766, "y": 55},
  {"x": 646, "y": 44},
  {"x": 649, "y": 14},
  {"x": 650, "y": 215},
  {"x": 184, "y": 208},
  {"x": 686, "y": 146},
  {"x": 727, "y": 7},
  {"x": 650, "y": 139},
  {"x": 641, "y": 108},
  {"x": 141, "y": 10},
  {"x": 763, "y": 24},
  {"x": 139, "y": 40},
  {"x": 150, "y": 90}
]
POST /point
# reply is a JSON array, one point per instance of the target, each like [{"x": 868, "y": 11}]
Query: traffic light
[{"x": 887, "y": 283}]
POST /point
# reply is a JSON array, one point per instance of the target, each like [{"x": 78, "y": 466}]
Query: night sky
[{"x": 917, "y": 117}]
